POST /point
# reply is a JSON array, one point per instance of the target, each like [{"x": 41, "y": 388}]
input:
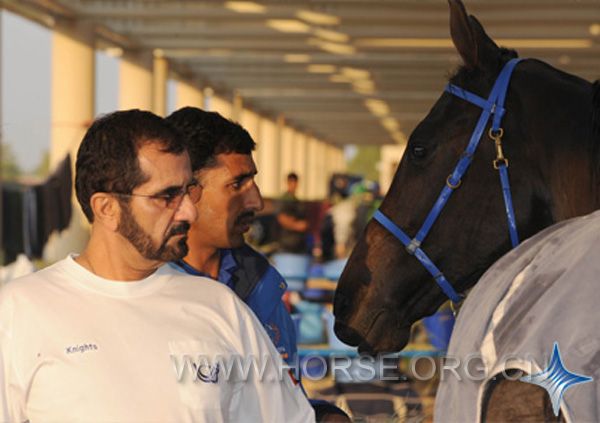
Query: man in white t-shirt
[{"x": 110, "y": 335}]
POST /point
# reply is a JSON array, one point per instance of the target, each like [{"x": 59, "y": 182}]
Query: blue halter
[{"x": 492, "y": 107}]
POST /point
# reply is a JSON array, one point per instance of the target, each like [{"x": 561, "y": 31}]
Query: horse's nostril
[
  {"x": 341, "y": 305},
  {"x": 346, "y": 334}
]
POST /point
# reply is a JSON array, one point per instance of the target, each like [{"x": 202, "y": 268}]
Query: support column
[
  {"x": 300, "y": 150},
  {"x": 135, "y": 82},
  {"x": 313, "y": 169},
  {"x": 322, "y": 170},
  {"x": 279, "y": 127},
  {"x": 237, "y": 108},
  {"x": 257, "y": 137},
  {"x": 333, "y": 163},
  {"x": 160, "y": 73},
  {"x": 208, "y": 94},
  {"x": 341, "y": 160},
  {"x": 221, "y": 106},
  {"x": 269, "y": 157},
  {"x": 287, "y": 152},
  {"x": 188, "y": 95},
  {"x": 330, "y": 165},
  {"x": 330, "y": 159},
  {"x": 72, "y": 111},
  {"x": 250, "y": 121},
  {"x": 337, "y": 159}
]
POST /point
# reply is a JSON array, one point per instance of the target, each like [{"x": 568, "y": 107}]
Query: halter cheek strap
[
  {"x": 420, "y": 255},
  {"x": 492, "y": 107}
]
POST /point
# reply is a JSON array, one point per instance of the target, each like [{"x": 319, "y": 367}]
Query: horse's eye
[{"x": 419, "y": 152}]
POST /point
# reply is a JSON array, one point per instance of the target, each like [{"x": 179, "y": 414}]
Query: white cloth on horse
[{"x": 545, "y": 291}]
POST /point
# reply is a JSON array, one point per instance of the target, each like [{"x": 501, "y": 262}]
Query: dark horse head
[{"x": 552, "y": 146}]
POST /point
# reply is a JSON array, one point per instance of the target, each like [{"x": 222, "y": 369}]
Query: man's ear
[{"x": 106, "y": 209}]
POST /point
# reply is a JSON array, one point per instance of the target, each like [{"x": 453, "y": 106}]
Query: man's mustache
[
  {"x": 180, "y": 229},
  {"x": 249, "y": 215}
]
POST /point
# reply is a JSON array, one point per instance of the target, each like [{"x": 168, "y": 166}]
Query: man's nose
[
  {"x": 186, "y": 212},
  {"x": 254, "y": 200}
]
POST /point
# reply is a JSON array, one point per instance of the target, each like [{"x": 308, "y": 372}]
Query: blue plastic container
[
  {"x": 293, "y": 268},
  {"x": 439, "y": 328},
  {"x": 332, "y": 270},
  {"x": 311, "y": 329}
]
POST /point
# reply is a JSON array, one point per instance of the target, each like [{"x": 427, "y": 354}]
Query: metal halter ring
[
  {"x": 449, "y": 184},
  {"x": 499, "y": 162},
  {"x": 496, "y": 134}
]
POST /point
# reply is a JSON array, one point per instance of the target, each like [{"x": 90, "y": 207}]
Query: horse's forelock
[{"x": 462, "y": 74}]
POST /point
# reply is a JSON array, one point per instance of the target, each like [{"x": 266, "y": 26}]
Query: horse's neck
[
  {"x": 569, "y": 148},
  {"x": 574, "y": 177},
  {"x": 574, "y": 190},
  {"x": 575, "y": 173}
]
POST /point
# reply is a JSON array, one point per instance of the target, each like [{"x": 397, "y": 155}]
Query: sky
[
  {"x": 25, "y": 69},
  {"x": 25, "y": 89}
]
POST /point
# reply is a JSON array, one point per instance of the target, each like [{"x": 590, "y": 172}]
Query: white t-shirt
[{"x": 77, "y": 347}]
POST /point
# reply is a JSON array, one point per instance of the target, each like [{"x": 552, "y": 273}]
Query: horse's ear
[
  {"x": 462, "y": 33},
  {"x": 469, "y": 37}
]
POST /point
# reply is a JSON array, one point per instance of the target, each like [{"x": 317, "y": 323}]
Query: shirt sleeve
[{"x": 269, "y": 391}]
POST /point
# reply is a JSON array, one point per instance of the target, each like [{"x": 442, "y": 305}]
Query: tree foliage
[
  {"x": 10, "y": 167},
  {"x": 365, "y": 162},
  {"x": 43, "y": 169}
]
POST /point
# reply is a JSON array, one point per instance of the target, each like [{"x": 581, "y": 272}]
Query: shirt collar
[{"x": 227, "y": 267}]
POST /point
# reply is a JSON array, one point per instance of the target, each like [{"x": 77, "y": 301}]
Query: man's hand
[{"x": 291, "y": 223}]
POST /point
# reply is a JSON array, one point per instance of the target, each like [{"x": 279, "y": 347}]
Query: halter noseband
[{"x": 492, "y": 107}]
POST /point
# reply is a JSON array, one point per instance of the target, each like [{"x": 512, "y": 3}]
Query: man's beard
[{"x": 142, "y": 241}]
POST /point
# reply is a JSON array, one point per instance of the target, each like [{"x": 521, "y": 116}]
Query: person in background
[
  {"x": 111, "y": 334},
  {"x": 292, "y": 219},
  {"x": 343, "y": 214},
  {"x": 221, "y": 158}
]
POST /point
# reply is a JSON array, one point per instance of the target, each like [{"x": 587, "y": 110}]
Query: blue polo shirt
[
  {"x": 227, "y": 266},
  {"x": 261, "y": 287}
]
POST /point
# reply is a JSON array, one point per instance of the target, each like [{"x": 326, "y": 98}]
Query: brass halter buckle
[
  {"x": 449, "y": 184},
  {"x": 455, "y": 307},
  {"x": 496, "y": 136}
]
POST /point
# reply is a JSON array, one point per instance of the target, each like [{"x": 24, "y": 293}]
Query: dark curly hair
[
  {"x": 208, "y": 134},
  {"x": 107, "y": 158}
]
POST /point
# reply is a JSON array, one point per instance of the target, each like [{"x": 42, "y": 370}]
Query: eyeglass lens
[{"x": 194, "y": 190}]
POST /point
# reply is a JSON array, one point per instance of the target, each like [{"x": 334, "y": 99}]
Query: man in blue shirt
[{"x": 221, "y": 154}]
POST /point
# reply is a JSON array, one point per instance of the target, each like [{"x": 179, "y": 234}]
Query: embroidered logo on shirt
[
  {"x": 273, "y": 332},
  {"x": 207, "y": 373},
  {"x": 81, "y": 348}
]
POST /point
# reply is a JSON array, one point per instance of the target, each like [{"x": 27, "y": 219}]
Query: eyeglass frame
[{"x": 171, "y": 201}]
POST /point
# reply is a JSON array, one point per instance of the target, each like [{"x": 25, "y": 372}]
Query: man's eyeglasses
[{"x": 172, "y": 197}]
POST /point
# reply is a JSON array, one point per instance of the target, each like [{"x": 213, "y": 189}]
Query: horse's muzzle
[{"x": 347, "y": 335}]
